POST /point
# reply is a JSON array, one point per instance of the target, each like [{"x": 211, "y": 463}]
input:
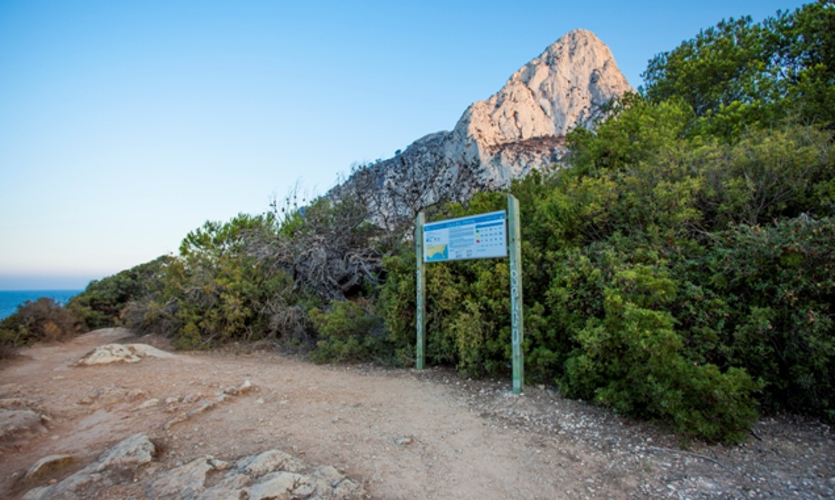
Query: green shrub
[
  {"x": 102, "y": 303},
  {"x": 781, "y": 280},
  {"x": 35, "y": 321},
  {"x": 632, "y": 360},
  {"x": 397, "y": 305},
  {"x": 348, "y": 332},
  {"x": 218, "y": 290}
]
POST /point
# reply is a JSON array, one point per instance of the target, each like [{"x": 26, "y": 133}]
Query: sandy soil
[{"x": 402, "y": 433}]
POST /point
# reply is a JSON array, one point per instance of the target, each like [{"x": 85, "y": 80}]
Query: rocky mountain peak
[
  {"x": 566, "y": 86},
  {"x": 519, "y": 128}
]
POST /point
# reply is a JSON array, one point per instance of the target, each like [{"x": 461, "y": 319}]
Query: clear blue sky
[{"x": 124, "y": 125}]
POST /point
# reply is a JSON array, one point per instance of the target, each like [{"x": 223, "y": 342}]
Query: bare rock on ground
[
  {"x": 271, "y": 474},
  {"x": 112, "y": 394},
  {"x": 119, "y": 353},
  {"x": 222, "y": 397},
  {"x": 16, "y": 403},
  {"x": 186, "y": 481},
  {"x": 47, "y": 465},
  {"x": 279, "y": 484},
  {"x": 106, "y": 354},
  {"x": 133, "y": 452},
  {"x": 147, "y": 351},
  {"x": 269, "y": 461},
  {"x": 17, "y": 424},
  {"x": 470, "y": 439}
]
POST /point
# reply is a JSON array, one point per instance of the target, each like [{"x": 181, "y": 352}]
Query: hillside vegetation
[{"x": 678, "y": 266}]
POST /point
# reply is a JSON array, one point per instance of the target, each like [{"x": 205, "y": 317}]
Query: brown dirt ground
[{"x": 402, "y": 433}]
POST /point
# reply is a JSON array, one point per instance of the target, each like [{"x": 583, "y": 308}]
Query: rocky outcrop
[
  {"x": 268, "y": 475},
  {"x": 19, "y": 424},
  {"x": 111, "y": 394},
  {"x": 272, "y": 474},
  {"x": 520, "y": 128},
  {"x": 47, "y": 465},
  {"x": 109, "y": 469},
  {"x": 119, "y": 353},
  {"x": 21, "y": 418}
]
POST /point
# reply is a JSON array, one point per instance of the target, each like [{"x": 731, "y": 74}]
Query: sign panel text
[{"x": 478, "y": 237}]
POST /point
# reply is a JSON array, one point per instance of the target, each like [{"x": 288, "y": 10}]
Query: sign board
[
  {"x": 482, "y": 236},
  {"x": 478, "y": 237}
]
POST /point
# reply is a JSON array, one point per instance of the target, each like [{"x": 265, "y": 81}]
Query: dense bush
[
  {"x": 102, "y": 303},
  {"x": 35, "y": 321},
  {"x": 258, "y": 277},
  {"x": 780, "y": 281},
  {"x": 216, "y": 291},
  {"x": 348, "y": 332}
]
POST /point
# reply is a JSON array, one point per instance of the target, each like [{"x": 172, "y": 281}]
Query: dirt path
[{"x": 402, "y": 433}]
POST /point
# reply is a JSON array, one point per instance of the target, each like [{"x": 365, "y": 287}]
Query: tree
[{"x": 740, "y": 73}]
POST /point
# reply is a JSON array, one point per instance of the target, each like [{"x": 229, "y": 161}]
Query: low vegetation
[
  {"x": 42, "y": 320},
  {"x": 678, "y": 267}
]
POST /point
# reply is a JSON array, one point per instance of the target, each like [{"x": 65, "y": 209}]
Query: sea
[{"x": 10, "y": 299}]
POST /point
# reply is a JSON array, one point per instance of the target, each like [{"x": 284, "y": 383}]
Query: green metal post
[
  {"x": 517, "y": 321},
  {"x": 420, "y": 281}
]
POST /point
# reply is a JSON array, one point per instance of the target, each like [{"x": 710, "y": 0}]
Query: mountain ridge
[{"x": 520, "y": 128}]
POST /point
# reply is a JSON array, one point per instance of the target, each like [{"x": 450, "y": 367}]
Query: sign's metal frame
[{"x": 514, "y": 252}]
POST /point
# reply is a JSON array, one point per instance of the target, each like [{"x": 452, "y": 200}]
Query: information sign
[
  {"x": 482, "y": 236},
  {"x": 478, "y": 237}
]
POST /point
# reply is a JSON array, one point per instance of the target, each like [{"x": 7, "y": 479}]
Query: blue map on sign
[{"x": 437, "y": 253}]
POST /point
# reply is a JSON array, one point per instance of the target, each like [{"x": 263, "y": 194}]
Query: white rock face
[
  {"x": 564, "y": 87},
  {"x": 520, "y": 128}
]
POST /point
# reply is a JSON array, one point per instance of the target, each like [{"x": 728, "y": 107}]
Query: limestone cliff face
[{"x": 520, "y": 128}]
